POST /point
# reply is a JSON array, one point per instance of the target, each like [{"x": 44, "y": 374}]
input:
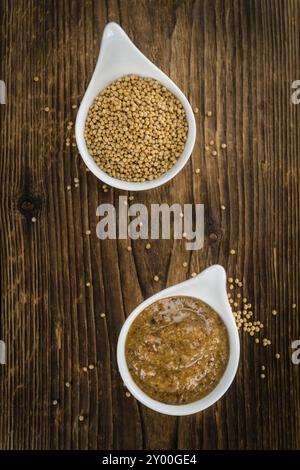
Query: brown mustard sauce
[{"x": 177, "y": 350}]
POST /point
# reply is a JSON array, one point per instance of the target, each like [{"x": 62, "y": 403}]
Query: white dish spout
[
  {"x": 210, "y": 287},
  {"x": 119, "y": 56}
]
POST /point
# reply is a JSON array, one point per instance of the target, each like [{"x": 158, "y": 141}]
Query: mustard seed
[
  {"x": 54, "y": 402},
  {"x": 88, "y": 232},
  {"x": 194, "y": 274},
  {"x": 274, "y": 312},
  {"x": 87, "y": 284},
  {"x": 102, "y": 315},
  {"x": 209, "y": 113},
  {"x": 128, "y": 394},
  {"x": 67, "y": 384},
  {"x": 196, "y": 110},
  {"x": 84, "y": 369},
  {"x": 47, "y": 109},
  {"x": 156, "y": 278},
  {"x": 277, "y": 355},
  {"x": 184, "y": 264},
  {"x": 36, "y": 79},
  {"x": 211, "y": 142},
  {"x": 148, "y": 246},
  {"x": 262, "y": 376},
  {"x": 197, "y": 170},
  {"x": 33, "y": 219},
  {"x": 232, "y": 252},
  {"x": 136, "y": 129},
  {"x": 81, "y": 418},
  {"x": 223, "y": 208},
  {"x": 294, "y": 305},
  {"x": 91, "y": 366},
  {"x": 214, "y": 153},
  {"x": 223, "y": 146},
  {"x": 129, "y": 248}
]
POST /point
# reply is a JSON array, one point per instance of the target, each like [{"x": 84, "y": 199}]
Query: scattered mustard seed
[
  {"x": 84, "y": 369},
  {"x": 184, "y": 264},
  {"x": 81, "y": 418},
  {"x": 274, "y": 312},
  {"x": 156, "y": 278},
  {"x": 76, "y": 180},
  {"x": 67, "y": 384},
  {"x": 230, "y": 280},
  {"x": 91, "y": 366},
  {"x": 33, "y": 219},
  {"x": 88, "y": 232},
  {"x": 294, "y": 305},
  {"x": 223, "y": 208},
  {"x": 87, "y": 284},
  {"x": 36, "y": 79},
  {"x": 197, "y": 170},
  {"x": 214, "y": 153},
  {"x": 196, "y": 110},
  {"x": 74, "y": 106},
  {"x": 102, "y": 315},
  {"x": 223, "y": 146},
  {"x": 232, "y": 252},
  {"x": 54, "y": 402},
  {"x": 262, "y": 376},
  {"x": 128, "y": 394},
  {"x": 194, "y": 274},
  {"x": 47, "y": 109},
  {"x": 209, "y": 114},
  {"x": 277, "y": 355},
  {"x": 148, "y": 246},
  {"x": 211, "y": 142},
  {"x": 68, "y": 187},
  {"x": 129, "y": 248}
]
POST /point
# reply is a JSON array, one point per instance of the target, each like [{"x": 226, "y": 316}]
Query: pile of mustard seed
[{"x": 136, "y": 129}]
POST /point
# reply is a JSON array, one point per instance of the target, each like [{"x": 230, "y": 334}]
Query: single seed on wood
[
  {"x": 263, "y": 367},
  {"x": 84, "y": 369},
  {"x": 214, "y": 153},
  {"x": 223, "y": 146},
  {"x": 76, "y": 185},
  {"x": 87, "y": 169},
  {"x": 129, "y": 248},
  {"x": 81, "y": 418},
  {"x": 277, "y": 355},
  {"x": 232, "y": 252},
  {"x": 230, "y": 280},
  {"x": 47, "y": 109},
  {"x": 128, "y": 394},
  {"x": 156, "y": 278},
  {"x": 148, "y": 246},
  {"x": 294, "y": 305},
  {"x": 87, "y": 284},
  {"x": 194, "y": 274},
  {"x": 207, "y": 148},
  {"x": 88, "y": 232},
  {"x": 196, "y": 110},
  {"x": 184, "y": 264},
  {"x": 91, "y": 366},
  {"x": 262, "y": 376},
  {"x": 197, "y": 170},
  {"x": 68, "y": 187},
  {"x": 33, "y": 219},
  {"x": 35, "y": 79},
  {"x": 67, "y": 384},
  {"x": 76, "y": 180},
  {"x": 274, "y": 312},
  {"x": 54, "y": 402},
  {"x": 223, "y": 208},
  {"x": 257, "y": 340},
  {"x": 74, "y": 106},
  {"x": 211, "y": 142},
  {"x": 131, "y": 198},
  {"x": 102, "y": 315},
  {"x": 209, "y": 113}
]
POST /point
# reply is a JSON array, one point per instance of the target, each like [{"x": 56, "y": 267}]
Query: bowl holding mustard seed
[
  {"x": 178, "y": 351},
  {"x": 135, "y": 129}
]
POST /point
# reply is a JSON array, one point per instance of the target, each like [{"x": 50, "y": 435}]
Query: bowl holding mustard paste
[{"x": 178, "y": 351}]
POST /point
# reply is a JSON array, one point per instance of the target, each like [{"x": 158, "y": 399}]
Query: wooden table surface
[{"x": 235, "y": 58}]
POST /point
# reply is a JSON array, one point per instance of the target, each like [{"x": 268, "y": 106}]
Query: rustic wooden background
[{"x": 235, "y": 58}]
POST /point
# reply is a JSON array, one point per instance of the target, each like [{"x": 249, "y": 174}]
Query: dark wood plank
[{"x": 235, "y": 58}]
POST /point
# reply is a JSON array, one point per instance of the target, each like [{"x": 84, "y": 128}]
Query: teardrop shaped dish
[
  {"x": 210, "y": 287},
  {"x": 118, "y": 57}
]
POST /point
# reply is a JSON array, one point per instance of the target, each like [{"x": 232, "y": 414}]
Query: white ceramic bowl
[
  {"x": 209, "y": 286},
  {"x": 119, "y": 56}
]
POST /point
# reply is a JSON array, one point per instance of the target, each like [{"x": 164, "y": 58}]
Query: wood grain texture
[{"x": 235, "y": 58}]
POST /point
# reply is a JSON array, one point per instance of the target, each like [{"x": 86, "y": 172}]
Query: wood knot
[{"x": 29, "y": 205}]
